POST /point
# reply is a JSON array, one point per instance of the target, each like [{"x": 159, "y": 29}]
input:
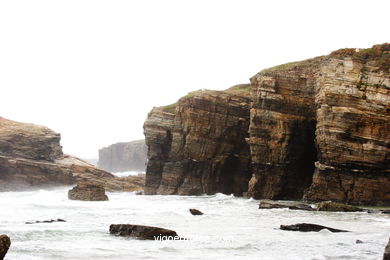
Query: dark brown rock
[
  {"x": 272, "y": 204},
  {"x": 87, "y": 191},
  {"x": 386, "y": 255},
  {"x": 5, "y": 243},
  {"x": 336, "y": 207},
  {"x": 196, "y": 212},
  {"x": 45, "y": 221},
  {"x": 120, "y": 157},
  {"x": 306, "y": 227},
  {"x": 141, "y": 232}
]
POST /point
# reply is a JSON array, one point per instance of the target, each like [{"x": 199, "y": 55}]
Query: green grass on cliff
[
  {"x": 292, "y": 65},
  {"x": 240, "y": 89},
  {"x": 170, "y": 108},
  {"x": 378, "y": 54}
]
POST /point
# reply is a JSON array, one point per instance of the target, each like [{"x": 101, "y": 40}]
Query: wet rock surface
[
  {"x": 45, "y": 221},
  {"x": 306, "y": 227},
  {"x": 336, "y": 207},
  {"x": 5, "y": 243},
  {"x": 195, "y": 212},
  {"x": 140, "y": 231},
  {"x": 386, "y": 255},
  {"x": 88, "y": 192},
  {"x": 272, "y": 204}
]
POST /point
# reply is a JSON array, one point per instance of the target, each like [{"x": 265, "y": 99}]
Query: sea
[{"x": 231, "y": 228}]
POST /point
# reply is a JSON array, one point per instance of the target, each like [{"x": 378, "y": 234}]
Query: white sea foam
[{"x": 255, "y": 232}]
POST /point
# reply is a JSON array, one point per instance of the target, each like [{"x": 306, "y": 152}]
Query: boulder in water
[
  {"x": 273, "y": 204},
  {"x": 386, "y": 255},
  {"x": 336, "y": 207},
  {"x": 88, "y": 192},
  {"x": 196, "y": 212},
  {"x": 5, "y": 243},
  {"x": 306, "y": 227},
  {"x": 142, "y": 232}
]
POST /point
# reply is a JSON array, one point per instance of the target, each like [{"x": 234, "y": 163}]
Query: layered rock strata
[
  {"x": 31, "y": 157},
  {"x": 318, "y": 129},
  {"x": 198, "y": 145},
  {"x": 120, "y": 157},
  {"x": 88, "y": 192}
]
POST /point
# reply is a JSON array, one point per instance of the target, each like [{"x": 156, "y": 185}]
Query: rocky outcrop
[
  {"x": 88, "y": 192},
  {"x": 45, "y": 221},
  {"x": 196, "y": 212},
  {"x": 142, "y": 232},
  {"x": 31, "y": 157},
  {"x": 198, "y": 145},
  {"x": 28, "y": 141},
  {"x": 272, "y": 204},
  {"x": 336, "y": 207},
  {"x": 5, "y": 243},
  {"x": 307, "y": 227},
  {"x": 386, "y": 255},
  {"x": 318, "y": 130},
  {"x": 120, "y": 157}
]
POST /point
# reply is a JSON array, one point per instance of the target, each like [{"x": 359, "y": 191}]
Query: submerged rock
[
  {"x": 359, "y": 241},
  {"x": 273, "y": 204},
  {"x": 5, "y": 243},
  {"x": 87, "y": 191},
  {"x": 45, "y": 221},
  {"x": 386, "y": 255},
  {"x": 196, "y": 212},
  {"x": 306, "y": 227},
  {"x": 336, "y": 207},
  {"x": 141, "y": 232}
]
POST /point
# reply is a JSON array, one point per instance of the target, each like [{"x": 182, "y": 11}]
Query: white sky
[{"x": 92, "y": 70}]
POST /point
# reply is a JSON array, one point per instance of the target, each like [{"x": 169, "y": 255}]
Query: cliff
[
  {"x": 198, "y": 145},
  {"x": 316, "y": 129},
  {"x": 31, "y": 157},
  {"x": 120, "y": 157}
]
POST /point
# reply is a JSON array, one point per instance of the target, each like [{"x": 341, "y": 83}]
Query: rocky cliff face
[
  {"x": 31, "y": 157},
  {"x": 318, "y": 129},
  {"x": 120, "y": 157},
  {"x": 198, "y": 145}
]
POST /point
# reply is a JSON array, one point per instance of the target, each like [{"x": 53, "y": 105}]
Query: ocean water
[
  {"x": 232, "y": 228},
  {"x": 127, "y": 173}
]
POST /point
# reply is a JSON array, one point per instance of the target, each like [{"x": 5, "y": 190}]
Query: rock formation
[
  {"x": 336, "y": 207},
  {"x": 141, "y": 232},
  {"x": 307, "y": 227},
  {"x": 31, "y": 157},
  {"x": 5, "y": 243},
  {"x": 318, "y": 129},
  {"x": 386, "y": 255},
  {"x": 196, "y": 212},
  {"x": 88, "y": 192},
  {"x": 198, "y": 145},
  {"x": 272, "y": 204},
  {"x": 120, "y": 157}
]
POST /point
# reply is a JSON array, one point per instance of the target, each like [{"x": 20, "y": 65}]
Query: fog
[{"x": 92, "y": 70}]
